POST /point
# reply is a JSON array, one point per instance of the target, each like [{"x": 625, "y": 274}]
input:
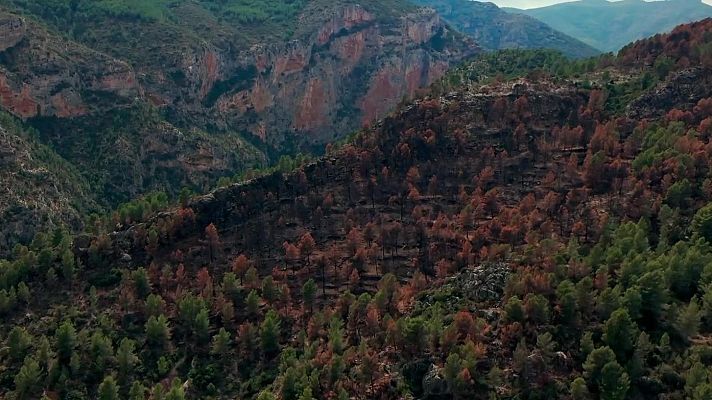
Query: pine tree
[
  {"x": 108, "y": 390},
  {"x": 23, "y": 293},
  {"x": 620, "y": 333},
  {"x": 696, "y": 376},
  {"x": 520, "y": 355},
  {"x": 101, "y": 351},
  {"x": 614, "y": 382},
  {"x": 306, "y": 394},
  {"x": 513, "y": 310},
  {"x": 586, "y": 345},
  {"x": 579, "y": 391},
  {"x": 125, "y": 358},
  {"x": 44, "y": 352},
  {"x": 269, "y": 333},
  {"x": 18, "y": 341},
  {"x": 309, "y": 294},
  {"x": 266, "y": 395},
  {"x": 252, "y": 304},
  {"x": 176, "y": 392},
  {"x": 453, "y": 366},
  {"x": 336, "y": 335},
  {"x": 229, "y": 284},
  {"x": 537, "y": 307},
  {"x": 240, "y": 266},
  {"x": 546, "y": 345},
  {"x": 68, "y": 265},
  {"x": 269, "y": 289},
  {"x": 137, "y": 391},
  {"x": 707, "y": 306},
  {"x": 157, "y": 332},
  {"x": 702, "y": 223},
  {"x": 65, "y": 341},
  {"x": 221, "y": 343},
  {"x": 27, "y": 379},
  {"x": 213, "y": 241},
  {"x": 201, "y": 326},
  {"x": 595, "y": 363},
  {"x": 142, "y": 283},
  {"x": 155, "y": 305},
  {"x": 688, "y": 320}
]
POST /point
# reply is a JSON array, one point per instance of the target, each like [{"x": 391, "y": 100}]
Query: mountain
[
  {"x": 285, "y": 73},
  {"x": 494, "y": 29},
  {"x": 611, "y": 25},
  {"x": 541, "y": 234},
  {"x": 160, "y": 95}
]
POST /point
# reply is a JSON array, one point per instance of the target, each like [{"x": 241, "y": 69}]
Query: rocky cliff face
[
  {"x": 346, "y": 72},
  {"x": 345, "y": 66},
  {"x": 349, "y": 73},
  {"x": 84, "y": 104},
  {"x": 44, "y": 75}
]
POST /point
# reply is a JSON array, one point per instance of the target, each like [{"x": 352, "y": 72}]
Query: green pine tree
[
  {"x": 614, "y": 382},
  {"x": 269, "y": 333},
  {"x": 108, "y": 390}
]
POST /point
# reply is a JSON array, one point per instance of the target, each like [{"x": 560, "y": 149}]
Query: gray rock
[{"x": 434, "y": 383}]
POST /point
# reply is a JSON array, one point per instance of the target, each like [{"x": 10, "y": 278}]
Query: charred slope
[{"x": 256, "y": 217}]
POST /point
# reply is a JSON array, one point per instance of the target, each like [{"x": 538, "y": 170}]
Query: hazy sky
[{"x": 535, "y": 3}]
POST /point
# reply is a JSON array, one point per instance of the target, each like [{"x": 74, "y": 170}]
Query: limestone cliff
[{"x": 344, "y": 75}]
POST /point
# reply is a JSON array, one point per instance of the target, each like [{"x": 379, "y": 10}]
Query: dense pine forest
[{"x": 532, "y": 228}]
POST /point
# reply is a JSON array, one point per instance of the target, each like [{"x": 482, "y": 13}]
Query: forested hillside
[
  {"x": 497, "y": 29},
  {"x": 542, "y": 232}
]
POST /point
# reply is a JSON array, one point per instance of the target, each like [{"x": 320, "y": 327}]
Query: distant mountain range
[
  {"x": 609, "y": 26},
  {"x": 494, "y": 29}
]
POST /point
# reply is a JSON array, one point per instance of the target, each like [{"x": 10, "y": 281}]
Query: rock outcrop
[
  {"x": 344, "y": 67},
  {"x": 44, "y": 75},
  {"x": 347, "y": 74},
  {"x": 347, "y": 70}
]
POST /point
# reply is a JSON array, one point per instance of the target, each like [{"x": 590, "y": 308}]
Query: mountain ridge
[
  {"x": 495, "y": 29},
  {"x": 611, "y": 25}
]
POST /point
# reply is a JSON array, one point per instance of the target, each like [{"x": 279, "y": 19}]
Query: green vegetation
[
  {"x": 611, "y": 25},
  {"x": 495, "y": 29},
  {"x": 515, "y": 63},
  {"x": 244, "y": 11}
]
